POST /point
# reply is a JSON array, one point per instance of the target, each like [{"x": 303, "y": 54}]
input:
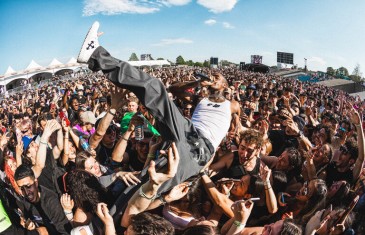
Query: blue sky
[{"x": 326, "y": 32}]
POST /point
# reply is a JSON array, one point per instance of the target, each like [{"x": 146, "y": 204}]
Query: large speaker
[
  {"x": 214, "y": 60},
  {"x": 242, "y": 65}
]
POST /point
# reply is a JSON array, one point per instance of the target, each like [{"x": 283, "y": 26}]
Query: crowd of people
[{"x": 221, "y": 151}]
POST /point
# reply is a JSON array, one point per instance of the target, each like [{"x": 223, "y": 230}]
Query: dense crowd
[{"x": 290, "y": 162}]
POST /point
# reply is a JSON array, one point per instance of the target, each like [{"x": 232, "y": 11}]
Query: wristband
[
  {"x": 112, "y": 113},
  {"x": 68, "y": 213},
  {"x": 142, "y": 194},
  {"x": 151, "y": 156},
  {"x": 43, "y": 142},
  {"x": 124, "y": 138},
  {"x": 239, "y": 224},
  {"x": 163, "y": 201}
]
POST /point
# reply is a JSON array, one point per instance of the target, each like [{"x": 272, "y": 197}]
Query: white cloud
[
  {"x": 114, "y": 7},
  {"x": 218, "y": 6},
  {"x": 171, "y": 41},
  {"x": 210, "y": 22},
  {"x": 227, "y": 25},
  {"x": 174, "y": 2}
]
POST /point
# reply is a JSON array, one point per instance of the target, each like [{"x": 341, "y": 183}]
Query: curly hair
[
  {"x": 150, "y": 224},
  {"x": 85, "y": 190},
  {"x": 251, "y": 136}
]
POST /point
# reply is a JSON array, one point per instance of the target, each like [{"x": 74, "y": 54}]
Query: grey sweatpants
[{"x": 194, "y": 151}]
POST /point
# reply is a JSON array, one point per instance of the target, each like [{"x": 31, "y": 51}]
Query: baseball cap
[
  {"x": 27, "y": 140},
  {"x": 88, "y": 117}
]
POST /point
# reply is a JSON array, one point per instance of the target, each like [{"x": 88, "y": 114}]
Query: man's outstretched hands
[
  {"x": 117, "y": 98},
  {"x": 173, "y": 161}
]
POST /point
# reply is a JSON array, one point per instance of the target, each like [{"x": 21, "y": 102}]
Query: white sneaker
[{"x": 90, "y": 44}]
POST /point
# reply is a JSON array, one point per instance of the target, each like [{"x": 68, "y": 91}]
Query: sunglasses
[{"x": 25, "y": 131}]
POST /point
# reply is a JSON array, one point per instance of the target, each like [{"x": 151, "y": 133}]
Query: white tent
[
  {"x": 55, "y": 64},
  {"x": 33, "y": 66},
  {"x": 72, "y": 62},
  {"x": 149, "y": 63},
  {"x": 10, "y": 71}
]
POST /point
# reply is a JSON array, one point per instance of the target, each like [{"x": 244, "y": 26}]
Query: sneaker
[{"x": 90, "y": 44}]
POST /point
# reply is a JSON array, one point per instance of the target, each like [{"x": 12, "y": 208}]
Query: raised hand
[
  {"x": 242, "y": 210},
  {"x": 66, "y": 202},
  {"x": 265, "y": 173},
  {"x": 173, "y": 161},
  {"x": 103, "y": 213},
  {"x": 136, "y": 120},
  {"x": 291, "y": 128},
  {"x": 177, "y": 192},
  {"x": 117, "y": 98},
  {"x": 128, "y": 177}
]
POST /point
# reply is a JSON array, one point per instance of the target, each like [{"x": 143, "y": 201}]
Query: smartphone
[{"x": 228, "y": 180}]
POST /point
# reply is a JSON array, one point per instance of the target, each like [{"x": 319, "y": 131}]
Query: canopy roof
[
  {"x": 149, "y": 63},
  {"x": 10, "y": 71},
  {"x": 33, "y": 66},
  {"x": 55, "y": 63}
]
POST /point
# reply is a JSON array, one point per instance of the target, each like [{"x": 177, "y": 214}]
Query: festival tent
[
  {"x": 72, "y": 62},
  {"x": 149, "y": 63},
  {"x": 55, "y": 64},
  {"x": 33, "y": 66},
  {"x": 10, "y": 71}
]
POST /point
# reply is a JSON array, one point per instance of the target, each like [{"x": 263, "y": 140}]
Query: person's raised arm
[
  {"x": 219, "y": 199},
  {"x": 40, "y": 160},
  {"x": 224, "y": 162},
  {"x": 242, "y": 210},
  {"x": 103, "y": 213},
  {"x": 142, "y": 199},
  {"x": 64, "y": 99},
  {"x": 270, "y": 197},
  {"x": 18, "y": 153},
  {"x": 155, "y": 143},
  {"x": 116, "y": 102},
  {"x": 59, "y": 146},
  {"x": 356, "y": 120},
  {"x": 179, "y": 89},
  {"x": 119, "y": 150},
  {"x": 66, "y": 150}
]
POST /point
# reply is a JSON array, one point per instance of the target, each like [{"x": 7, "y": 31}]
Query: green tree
[
  {"x": 356, "y": 74},
  {"x": 133, "y": 57},
  {"x": 180, "y": 60},
  {"x": 342, "y": 71},
  {"x": 189, "y": 63},
  {"x": 198, "y": 64},
  {"x": 206, "y": 64},
  {"x": 330, "y": 71}
]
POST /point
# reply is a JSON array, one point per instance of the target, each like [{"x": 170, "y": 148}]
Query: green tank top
[{"x": 5, "y": 222}]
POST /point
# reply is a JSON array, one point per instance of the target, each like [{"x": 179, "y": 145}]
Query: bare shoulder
[{"x": 235, "y": 107}]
